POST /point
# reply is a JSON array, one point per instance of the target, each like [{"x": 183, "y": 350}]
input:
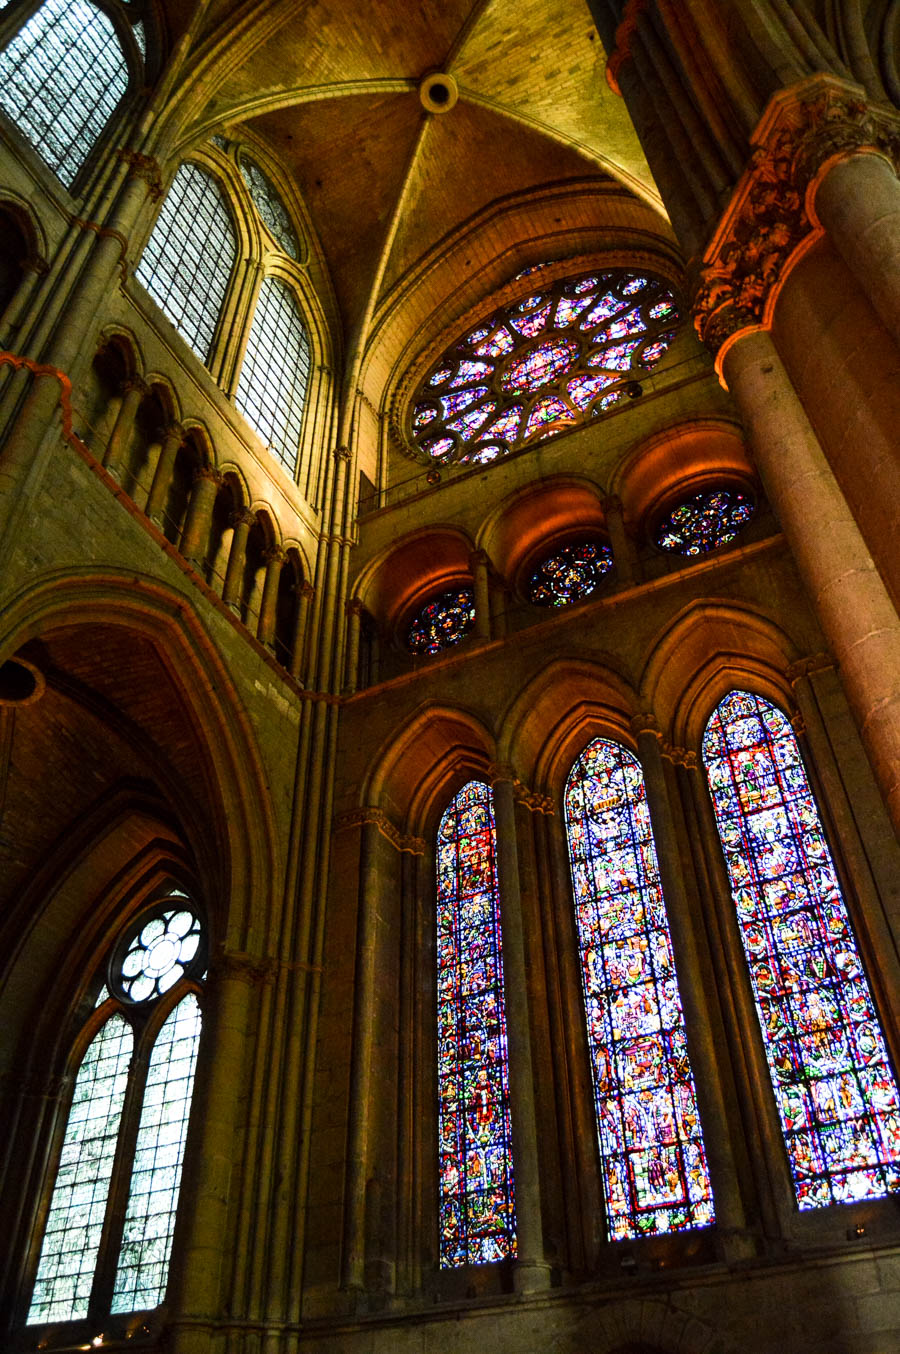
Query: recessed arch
[
  {"x": 534, "y": 520},
  {"x": 411, "y": 569}
]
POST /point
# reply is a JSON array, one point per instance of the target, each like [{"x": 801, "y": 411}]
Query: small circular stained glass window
[
  {"x": 165, "y": 945},
  {"x": 704, "y": 522},
  {"x": 445, "y": 620},
  {"x": 570, "y": 574}
]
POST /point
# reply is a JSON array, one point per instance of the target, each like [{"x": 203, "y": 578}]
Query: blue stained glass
[
  {"x": 467, "y": 425},
  {"x": 607, "y": 306},
  {"x": 617, "y": 358},
  {"x": 438, "y": 377},
  {"x": 834, "y": 1087},
  {"x": 425, "y": 414},
  {"x": 531, "y": 325},
  {"x": 655, "y": 1174},
  {"x": 704, "y": 522},
  {"x": 442, "y": 622},
  {"x": 467, "y": 372},
  {"x": 506, "y": 425},
  {"x": 454, "y": 404},
  {"x": 569, "y": 308},
  {"x": 483, "y": 454},
  {"x": 499, "y": 343},
  {"x": 570, "y": 574},
  {"x": 583, "y": 389},
  {"x": 476, "y": 1205},
  {"x": 539, "y": 366},
  {"x": 441, "y": 447},
  {"x": 621, "y": 328},
  {"x": 652, "y": 352}
]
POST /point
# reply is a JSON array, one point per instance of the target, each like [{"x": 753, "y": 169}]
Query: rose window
[
  {"x": 570, "y": 574},
  {"x": 542, "y": 365},
  {"x": 704, "y": 522},
  {"x": 442, "y": 622},
  {"x": 152, "y": 959}
]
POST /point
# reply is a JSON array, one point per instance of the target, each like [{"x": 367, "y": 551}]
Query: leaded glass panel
[
  {"x": 268, "y": 203},
  {"x": 655, "y": 1173},
  {"x": 704, "y": 522},
  {"x": 274, "y": 376},
  {"x": 570, "y": 573},
  {"x": 61, "y": 78},
  {"x": 540, "y": 365},
  {"x": 189, "y": 257},
  {"x": 477, "y": 1206},
  {"x": 834, "y": 1086},
  {"x": 71, "y": 1241},
  {"x": 442, "y": 622},
  {"x": 143, "y": 1267}
]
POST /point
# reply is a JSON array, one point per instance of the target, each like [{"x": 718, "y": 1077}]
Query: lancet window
[
  {"x": 476, "y": 1205},
  {"x": 107, "y": 1236},
  {"x": 834, "y": 1086},
  {"x": 62, "y": 76},
  {"x": 187, "y": 263},
  {"x": 542, "y": 365},
  {"x": 655, "y": 1173},
  {"x": 275, "y": 372}
]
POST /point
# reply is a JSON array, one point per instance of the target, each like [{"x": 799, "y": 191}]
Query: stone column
[
  {"x": 198, "y": 521},
  {"x": 354, "y": 610},
  {"x": 624, "y": 553},
  {"x": 133, "y": 392},
  {"x": 305, "y": 592},
  {"x": 478, "y": 562},
  {"x": 855, "y": 611},
  {"x": 172, "y": 439},
  {"x": 730, "y": 1218},
  {"x": 858, "y": 203},
  {"x": 265, "y": 629},
  {"x": 241, "y": 521},
  {"x": 532, "y": 1271}
]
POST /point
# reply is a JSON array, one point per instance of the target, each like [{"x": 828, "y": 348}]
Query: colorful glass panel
[
  {"x": 440, "y": 449},
  {"x": 477, "y": 1206},
  {"x": 704, "y": 522},
  {"x": 482, "y": 455},
  {"x": 834, "y": 1087},
  {"x": 618, "y": 321},
  {"x": 570, "y": 574},
  {"x": 467, "y": 425},
  {"x": 443, "y": 622},
  {"x": 654, "y": 1165}
]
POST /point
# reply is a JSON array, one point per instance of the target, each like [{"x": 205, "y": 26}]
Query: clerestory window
[{"x": 272, "y": 389}]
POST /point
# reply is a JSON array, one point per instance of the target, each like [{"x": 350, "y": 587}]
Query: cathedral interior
[{"x": 450, "y": 676}]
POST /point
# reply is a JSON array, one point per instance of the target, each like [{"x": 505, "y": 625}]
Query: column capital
[
  {"x": 534, "y": 802},
  {"x": 680, "y": 756},
  {"x": 612, "y": 503},
  {"x": 274, "y": 554},
  {"x": 370, "y": 816},
  {"x": 817, "y": 662},
  {"x": 242, "y": 517},
  {"x": 207, "y": 472},
  {"x": 353, "y": 606},
  {"x": 144, "y": 167},
  {"x": 253, "y": 970},
  {"x": 173, "y": 429},
  {"x": 341, "y": 453},
  {"x": 477, "y": 557},
  {"x": 502, "y": 771},
  {"x": 798, "y": 724},
  {"x": 305, "y": 590},
  {"x": 770, "y": 221},
  {"x": 134, "y": 383},
  {"x": 646, "y": 723}
]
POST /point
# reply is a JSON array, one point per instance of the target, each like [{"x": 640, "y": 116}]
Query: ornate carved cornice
[
  {"x": 770, "y": 221},
  {"x": 624, "y": 36},
  {"x": 415, "y": 846}
]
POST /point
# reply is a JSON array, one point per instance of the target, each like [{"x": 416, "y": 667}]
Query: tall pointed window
[
  {"x": 188, "y": 260},
  {"x": 123, "y": 1146},
  {"x": 274, "y": 376},
  {"x": 477, "y": 1211},
  {"x": 61, "y": 78},
  {"x": 654, "y": 1165},
  {"x": 834, "y": 1087}
]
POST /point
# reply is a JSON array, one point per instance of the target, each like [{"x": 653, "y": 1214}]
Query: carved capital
[
  {"x": 798, "y": 724},
  {"x": 770, "y": 219},
  {"x": 353, "y": 606},
  {"x": 133, "y": 384},
  {"x": 500, "y": 771},
  {"x": 646, "y": 723},
  {"x": 680, "y": 756},
  {"x": 534, "y": 802},
  {"x": 144, "y": 167},
  {"x": 207, "y": 472},
  {"x": 243, "y": 517},
  {"x": 375, "y": 817},
  {"x": 305, "y": 590},
  {"x": 253, "y": 970},
  {"x": 274, "y": 554},
  {"x": 817, "y": 662},
  {"x": 175, "y": 431},
  {"x": 342, "y": 454}
]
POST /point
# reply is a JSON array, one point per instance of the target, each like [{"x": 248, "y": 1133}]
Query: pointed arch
[
  {"x": 655, "y": 1175},
  {"x": 834, "y": 1086}
]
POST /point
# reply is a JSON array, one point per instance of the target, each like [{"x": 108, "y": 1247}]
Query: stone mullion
[
  {"x": 753, "y": 1081},
  {"x": 233, "y": 327},
  {"x": 729, "y": 1207}
]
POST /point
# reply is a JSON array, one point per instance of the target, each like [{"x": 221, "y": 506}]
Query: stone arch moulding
[
  {"x": 439, "y": 749},
  {"x": 540, "y": 742},
  {"x": 547, "y": 514},
  {"x": 710, "y": 648},
  {"x": 116, "y": 339},
  {"x": 234, "y": 771},
  {"x": 29, "y": 223},
  {"x": 411, "y": 569},
  {"x": 643, "y": 1326}
]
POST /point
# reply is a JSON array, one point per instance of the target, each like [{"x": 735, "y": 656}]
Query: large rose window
[{"x": 542, "y": 365}]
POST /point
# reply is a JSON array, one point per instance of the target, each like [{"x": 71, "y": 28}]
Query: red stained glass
[
  {"x": 570, "y": 574},
  {"x": 467, "y": 425},
  {"x": 547, "y": 410},
  {"x": 454, "y": 404},
  {"x": 584, "y": 389},
  {"x": 654, "y": 1165},
  {"x": 539, "y": 367},
  {"x": 704, "y": 522},
  {"x": 476, "y": 1205},
  {"x": 834, "y": 1087},
  {"x": 443, "y": 622}
]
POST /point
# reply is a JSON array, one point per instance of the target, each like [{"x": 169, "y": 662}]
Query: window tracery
[
  {"x": 267, "y": 201},
  {"x": 570, "y": 574},
  {"x": 655, "y": 1175},
  {"x": 157, "y": 961},
  {"x": 541, "y": 365},
  {"x": 704, "y": 522},
  {"x": 62, "y": 76},
  {"x": 442, "y": 622},
  {"x": 188, "y": 260},
  {"x": 477, "y": 1197},
  {"x": 834, "y": 1087}
]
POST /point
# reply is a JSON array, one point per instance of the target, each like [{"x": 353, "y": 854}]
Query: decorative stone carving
[
  {"x": 804, "y": 667},
  {"x": 144, "y": 167},
  {"x": 414, "y": 846},
  {"x": 534, "y": 802},
  {"x": 771, "y": 217}
]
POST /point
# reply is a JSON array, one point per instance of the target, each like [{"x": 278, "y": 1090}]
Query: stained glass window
[
  {"x": 189, "y": 257},
  {"x": 834, "y": 1086},
  {"x": 704, "y": 522},
  {"x": 654, "y": 1165},
  {"x": 272, "y": 388},
  {"x": 570, "y": 574},
  {"x": 156, "y": 1178},
  {"x": 477, "y": 1206},
  {"x": 268, "y": 203},
  {"x": 443, "y": 622},
  {"x": 61, "y": 78},
  {"x": 149, "y": 965},
  {"x": 541, "y": 365},
  {"x": 65, "y": 1274}
]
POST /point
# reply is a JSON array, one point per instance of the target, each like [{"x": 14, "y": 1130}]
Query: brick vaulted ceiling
[{"x": 331, "y": 87}]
